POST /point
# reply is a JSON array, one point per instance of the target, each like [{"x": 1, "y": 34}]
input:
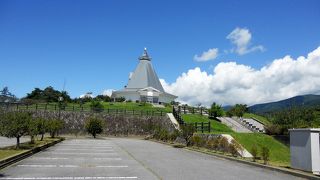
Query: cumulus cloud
[
  {"x": 241, "y": 38},
  {"x": 211, "y": 54},
  {"x": 230, "y": 83},
  {"x": 107, "y": 92}
]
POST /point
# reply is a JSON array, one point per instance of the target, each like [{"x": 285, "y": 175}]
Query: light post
[{"x": 60, "y": 104}]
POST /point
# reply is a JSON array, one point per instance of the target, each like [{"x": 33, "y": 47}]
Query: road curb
[
  {"x": 6, "y": 162},
  {"x": 273, "y": 168}
]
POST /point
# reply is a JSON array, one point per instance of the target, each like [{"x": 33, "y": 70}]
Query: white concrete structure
[
  {"x": 305, "y": 149},
  {"x": 144, "y": 84}
]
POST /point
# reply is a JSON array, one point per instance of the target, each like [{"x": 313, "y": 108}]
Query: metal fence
[
  {"x": 79, "y": 108},
  {"x": 199, "y": 126}
]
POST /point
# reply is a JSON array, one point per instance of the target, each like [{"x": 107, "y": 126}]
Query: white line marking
[
  {"x": 117, "y": 159},
  {"x": 70, "y": 178},
  {"x": 112, "y": 166},
  {"x": 48, "y": 158},
  {"x": 66, "y": 166},
  {"x": 58, "y": 158},
  {"x": 75, "y": 153}
]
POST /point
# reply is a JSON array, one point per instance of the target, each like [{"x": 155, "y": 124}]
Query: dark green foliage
[
  {"x": 96, "y": 106},
  {"x": 120, "y": 99},
  {"x": 15, "y": 124},
  {"x": 275, "y": 129},
  {"x": 187, "y": 132},
  {"x": 265, "y": 154},
  {"x": 296, "y": 117},
  {"x": 215, "y": 111},
  {"x": 254, "y": 152},
  {"x": 238, "y": 110},
  {"x": 53, "y": 126},
  {"x": 104, "y": 98},
  {"x": 94, "y": 126},
  {"x": 49, "y": 94}
]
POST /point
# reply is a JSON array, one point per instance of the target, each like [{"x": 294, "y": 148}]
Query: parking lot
[{"x": 121, "y": 158}]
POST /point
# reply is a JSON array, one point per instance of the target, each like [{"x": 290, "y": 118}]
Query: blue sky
[{"x": 95, "y": 44}]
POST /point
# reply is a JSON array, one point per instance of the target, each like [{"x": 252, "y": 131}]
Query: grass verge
[{"x": 10, "y": 151}]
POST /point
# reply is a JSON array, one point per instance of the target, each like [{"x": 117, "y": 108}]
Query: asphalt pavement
[{"x": 126, "y": 158}]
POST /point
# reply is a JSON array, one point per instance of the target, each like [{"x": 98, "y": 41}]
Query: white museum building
[{"x": 144, "y": 85}]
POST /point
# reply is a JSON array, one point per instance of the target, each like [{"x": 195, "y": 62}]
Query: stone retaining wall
[{"x": 115, "y": 124}]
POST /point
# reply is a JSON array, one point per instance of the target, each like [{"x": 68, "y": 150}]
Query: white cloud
[
  {"x": 107, "y": 92},
  {"x": 211, "y": 54},
  {"x": 231, "y": 83},
  {"x": 241, "y": 38}
]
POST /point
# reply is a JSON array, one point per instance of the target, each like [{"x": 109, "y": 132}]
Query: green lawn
[
  {"x": 279, "y": 153},
  {"x": 215, "y": 125},
  {"x": 261, "y": 119},
  {"x": 107, "y": 105},
  {"x": 5, "y": 153}
]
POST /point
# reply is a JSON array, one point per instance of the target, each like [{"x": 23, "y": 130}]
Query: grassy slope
[
  {"x": 279, "y": 153},
  {"x": 261, "y": 119},
  {"x": 216, "y": 126}
]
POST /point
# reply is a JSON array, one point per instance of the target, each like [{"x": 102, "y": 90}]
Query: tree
[
  {"x": 41, "y": 126},
  {"x": 49, "y": 94},
  {"x": 238, "y": 110},
  {"x": 53, "y": 126},
  {"x": 15, "y": 124},
  {"x": 94, "y": 126},
  {"x": 187, "y": 132},
  {"x": 215, "y": 110},
  {"x": 32, "y": 129}
]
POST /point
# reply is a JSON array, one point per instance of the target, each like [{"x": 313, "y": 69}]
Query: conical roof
[{"x": 144, "y": 75}]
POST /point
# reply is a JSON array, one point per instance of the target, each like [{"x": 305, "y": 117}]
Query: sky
[{"x": 225, "y": 51}]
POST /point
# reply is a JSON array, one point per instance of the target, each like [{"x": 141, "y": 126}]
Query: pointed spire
[{"x": 145, "y": 55}]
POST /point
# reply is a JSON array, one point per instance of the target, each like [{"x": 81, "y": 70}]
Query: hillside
[{"x": 304, "y": 100}]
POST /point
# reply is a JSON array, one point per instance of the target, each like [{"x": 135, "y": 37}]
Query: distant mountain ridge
[{"x": 303, "y": 100}]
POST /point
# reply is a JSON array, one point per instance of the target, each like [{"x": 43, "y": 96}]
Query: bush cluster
[
  {"x": 264, "y": 152},
  {"x": 16, "y": 124}
]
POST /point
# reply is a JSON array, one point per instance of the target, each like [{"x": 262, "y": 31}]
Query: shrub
[
  {"x": 96, "y": 106},
  {"x": 234, "y": 148},
  {"x": 174, "y": 135},
  {"x": 187, "y": 132},
  {"x": 254, "y": 153},
  {"x": 164, "y": 135},
  {"x": 213, "y": 144},
  {"x": 53, "y": 126},
  {"x": 265, "y": 153},
  {"x": 197, "y": 141},
  {"x": 274, "y": 129},
  {"x": 94, "y": 126},
  {"x": 223, "y": 144}
]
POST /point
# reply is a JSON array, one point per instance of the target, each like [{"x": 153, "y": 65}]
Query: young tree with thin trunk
[{"x": 15, "y": 125}]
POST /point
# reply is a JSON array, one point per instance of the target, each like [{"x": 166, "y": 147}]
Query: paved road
[
  {"x": 119, "y": 158},
  {"x": 4, "y": 142}
]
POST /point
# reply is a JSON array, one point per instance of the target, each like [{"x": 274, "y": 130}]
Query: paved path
[
  {"x": 119, "y": 158},
  {"x": 4, "y": 142}
]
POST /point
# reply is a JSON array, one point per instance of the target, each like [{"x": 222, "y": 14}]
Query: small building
[
  {"x": 305, "y": 149},
  {"x": 144, "y": 84}
]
